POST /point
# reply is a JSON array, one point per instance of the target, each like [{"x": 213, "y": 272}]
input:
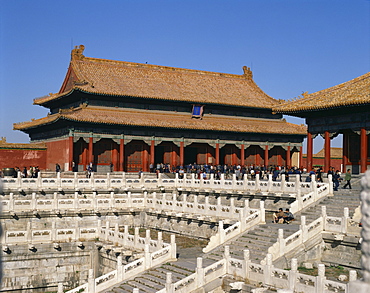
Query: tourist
[
  {"x": 279, "y": 216},
  {"x": 348, "y": 178},
  {"x": 288, "y": 217},
  {"x": 57, "y": 168},
  {"x": 336, "y": 179}
]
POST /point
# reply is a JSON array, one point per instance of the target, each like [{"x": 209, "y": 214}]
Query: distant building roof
[
  {"x": 350, "y": 93},
  {"x": 118, "y": 78},
  {"x": 8, "y": 145},
  {"x": 334, "y": 153},
  {"x": 165, "y": 119}
]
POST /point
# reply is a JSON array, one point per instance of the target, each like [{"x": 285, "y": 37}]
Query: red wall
[
  {"x": 10, "y": 158},
  {"x": 58, "y": 152},
  {"x": 334, "y": 162}
]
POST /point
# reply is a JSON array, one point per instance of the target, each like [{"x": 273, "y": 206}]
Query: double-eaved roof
[
  {"x": 164, "y": 119},
  {"x": 118, "y": 78},
  {"x": 355, "y": 92}
]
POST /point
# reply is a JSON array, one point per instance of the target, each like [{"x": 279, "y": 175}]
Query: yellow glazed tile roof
[
  {"x": 353, "y": 92},
  {"x": 118, "y": 78},
  {"x": 162, "y": 119}
]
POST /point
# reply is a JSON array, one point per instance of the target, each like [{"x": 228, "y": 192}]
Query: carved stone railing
[
  {"x": 308, "y": 231},
  {"x": 120, "y": 181},
  {"x": 264, "y": 274}
]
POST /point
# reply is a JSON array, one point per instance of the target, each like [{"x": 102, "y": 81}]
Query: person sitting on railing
[
  {"x": 279, "y": 216},
  {"x": 288, "y": 217}
]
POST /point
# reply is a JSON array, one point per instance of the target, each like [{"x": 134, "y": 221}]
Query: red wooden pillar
[
  {"x": 181, "y": 153},
  {"x": 173, "y": 157},
  {"x": 287, "y": 162},
  {"x": 217, "y": 154},
  {"x": 309, "y": 162},
  {"x": 279, "y": 160},
  {"x": 242, "y": 155},
  {"x": 266, "y": 159},
  {"x": 363, "y": 153},
  {"x": 91, "y": 150},
  {"x": 327, "y": 151},
  {"x": 233, "y": 157},
  {"x": 121, "y": 154},
  {"x": 145, "y": 156},
  {"x": 114, "y": 158},
  {"x": 300, "y": 157},
  {"x": 70, "y": 151},
  {"x": 257, "y": 159},
  {"x": 345, "y": 152},
  {"x": 84, "y": 158},
  {"x": 152, "y": 154}
]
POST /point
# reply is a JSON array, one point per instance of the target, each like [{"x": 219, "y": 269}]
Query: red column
[
  {"x": 181, "y": 153},
  {"x": 300, "y": 157},
  {"x": 145, "y": 161},
  {"x": 173, "y": 157},
  {"x": 121, "y": 154},
  {"x": 91, "y": 150},
  {"x": 217, "y": 154},
  {"x": 363, "y": 157},
  {"x": 152, "y": 154},
  {"x": 233, "y": 156},
  {"x": 309, "y": 151},
  {"x": 114, "y": 158},
  {"x": 345, "y": 151},
  {"x": 287, "y": 162},
  {"x": 242, "y": 155},
  {"x": 327, "y": 151},
  {"x": 257, "y": 158},
  {"x": 279, "y": 160},
  {"x": 266, "y": 159},
  {"x": 70, "y": 152},
  {"x": 84, "y": 158}
]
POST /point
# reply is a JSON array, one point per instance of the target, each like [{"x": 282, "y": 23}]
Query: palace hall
[
  {"x": 126, "y": 116},
  {"x": 341, "y": 109}
]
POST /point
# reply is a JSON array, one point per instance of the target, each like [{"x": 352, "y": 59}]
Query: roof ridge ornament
[
  {"x": 77, "y": 52},
  {"x": 247, "y": 72}
]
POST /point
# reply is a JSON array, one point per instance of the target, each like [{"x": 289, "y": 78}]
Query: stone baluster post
[
  {"x": 297, "y": 183},
  {"x": 184, "y": 202},
  {"x": 304, "y": 229},
  {"x": 222, "y": 180},
  {"x": 29, "y": 232},
  {"x": 53, "y": 231},
  {"x": 242, "y": 220},
  {"x": 234, "y": 181},
  {"x": 75, "y": 180},
  {"x": 283, "y": 183},
  {"x": 76, "y": 204},
  {"x": 154, "y": 197},
  {"x": 232, "y": 208},
  {"x": 136, "y": 236},
  {"x": 116, "y": 231},
  {"x": 91, "y": 281},
  {"x": 268, "y": 269},
  {"x": 59, "y": 183},
  {"x": 313, "y": 182},
  {"x": 60, "y": 288},
  {"x": 258, "y": 182},
  {"x": 300, "y": 199},
  {"x": 293, "y": 273},
  {"x": 352, "y": 275},
  {"x": 107, "y": 226},
  {"x": 206, "y": 211},
  {"x": 55, "y": 202},
  {"x": 98, "y": 233},
  {"x": 169, "y": 285},
  {"x": 221, "y": 232},
  {"x": 192, "y": 180},
  {"x": 136, "y": 290},
  {"x": 95, "y": 202},
  {"x": 145, "y": 199},
  {"x": 219, "y": 206},
  {"x": 269, "y": 183},
  {"x": 281, "y": 242},
  {"x": 163, "y": 207},
  {"x": 125, "y": 235},
  {"x": 34, "y": 202},
  {"x": 227, "y": 258},
  {"x": 11, "y": 203},
  {"x": 129, "y": 200},
  {"x": 112, "y": 203},
  {"x": 195, "y": 197},
  {"x": 331, "y": 186},
  {"x": 173, "y": 246},
  {"x": 324, "y": 215},
  {"x": 108, "y": 180},
  {"x": 147, "y": 256},
  {"x": 246, "y": 208},
  {"x": 320, "y": 279},
  {"x": 263, "y": 212},
  {"x": 119, "y": 268},
  {"x": 159, "y": 240},
  {"x": 246, "y": 263},
  {"x": 363, "y": 285},
  {"x": 175, "y": 207},
  {"x": 147, "y": 236},
  {"x": 345, "y": 220},
  {"x": 200, "y": 273}
]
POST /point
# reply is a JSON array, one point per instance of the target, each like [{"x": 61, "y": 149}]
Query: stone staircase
[{"x": 257, "y": 240}]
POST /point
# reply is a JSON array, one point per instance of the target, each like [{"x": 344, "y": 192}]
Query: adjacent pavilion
[
  {"x": 341, "y": 109},
  {"x": 129, "y": 116}
]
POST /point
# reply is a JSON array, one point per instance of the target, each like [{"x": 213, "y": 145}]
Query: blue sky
[{"x": 292, "y": 46}]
